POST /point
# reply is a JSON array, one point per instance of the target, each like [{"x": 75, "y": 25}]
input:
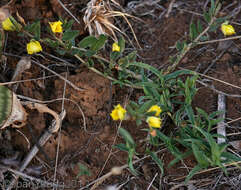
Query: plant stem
[{"x": 189, "y": 46}]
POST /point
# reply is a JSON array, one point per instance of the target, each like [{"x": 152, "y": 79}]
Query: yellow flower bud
[
  {"x": 115, "y": 47},
  {"x": 118, "y": 113},
  {"x": 9, "y": 26},
  {"x": 155, "y": 109},
  {"x": 154, "y": 122},
  {"x": 227, "y": 29},
  {"x": 56, "y": 27},
  {"x": 34, "y": 47},
  {"x": 153, "y": 132}
]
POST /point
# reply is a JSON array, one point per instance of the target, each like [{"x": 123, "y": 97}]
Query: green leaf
[
  {"x": 131, "y": 153},
  {"x": 67, "y": 25},
  {"x": 90, "y": 53},
  {"x": 130, "y": 109},
  {"x": 199, "y": 27},
  {"x": 34, "y": 29},
  {"x": 138, "y": 122},
  {"x": 192, "y": 31},
  {"x": 190, "y": 114},
  {"x": 6, "y": 97},
  {"x": 52, "y": 43},
  {"x": 212, "y": 8},
  {"x": 179, "y": 45},
  {"x": 199, "y": 155},
  {"x": 88, "y": 41},
  {"x": 121, "y": 147},
  {"x": 121, "y": 43},
  {"x": 181, "y": 157},
  {"x": 207, "y": 17},
  {"x": 61, "y": 51},
  {"x": 126, "y": 135},
  {"x": 157, "y": 160},
  {"x": 203, "y": 113},
  {"x": 16, "y": 24},
  {"x": 148, "y": 67},
  {"x": 195, "y": 170},
  {"x": 148, "y": 84},
  {"x": 131, "y": 57},
  {"x": 70, "y": 35},
  {"x": 231, "y": 157},
  {"x": 134, "y": 105},
  {"x": 83, "y": 170},
  {"x": 175, "y": 74},
  {"x": 144, "y": 107},
  {"x": 114, "y": 55},
  {"x": 100, "y": 43}
]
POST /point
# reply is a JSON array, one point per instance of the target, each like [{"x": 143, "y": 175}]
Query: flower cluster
[
  {"x": 33, "y": 46},
  {"x": 119, "y": 113}
]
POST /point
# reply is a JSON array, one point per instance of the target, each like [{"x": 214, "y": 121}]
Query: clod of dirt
[{"x": 93, "y": 100}]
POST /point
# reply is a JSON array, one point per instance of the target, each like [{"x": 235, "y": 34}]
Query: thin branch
[
  {"x": 43, "y": 139},
  {"x": 189, "y": 46},
  {"x": 65, "y": 8},
  {"x": 221, "y": 125}
]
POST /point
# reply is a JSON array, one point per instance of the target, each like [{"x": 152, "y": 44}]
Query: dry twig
[
  {"x": 221, "y": 125},
  {"x": 43, "y": 139}
]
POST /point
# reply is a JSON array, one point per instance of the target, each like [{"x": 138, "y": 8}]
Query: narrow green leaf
[
  {"x": 195, "y": 170},
  {"x": 131, "y": 153},
  {"x": 212, "y": 8},
  {"x": 179, "y": 46},
  {"x": 190, "y": 114},
  {"x": 157, "y": 160},
  {"x": 179, "y": 158},
  {"x": 199, "y": 155},
  {"x": 121, "y": 147},
  {"x": 144, "y": 107},
  {"x": 199, "y": 27},
  {"x": 193, "y": 31},
  {"x": 176, "y": 74},
  {"x": 207, "y": 17},
  {"x": 148, "y": 67},
  {"x": 121, "y": 43},
  {"x": 126, "y": 135}
]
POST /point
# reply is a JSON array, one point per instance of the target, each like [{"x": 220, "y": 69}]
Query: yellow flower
[
  {"x": 155, "y": 109},
  {"x": 154, "y": 122},
  {"x": 34, "y": 47},
  {"x": 118, "y": 113},
  {"x": 115, "y": 47},
  {"x": 56, "y": 26},
  {"x": 9, "y": 26},
  {"x": 227, "y": 29}
]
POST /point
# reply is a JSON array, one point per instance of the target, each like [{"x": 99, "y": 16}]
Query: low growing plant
[{"x": 167, "y": 94}]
